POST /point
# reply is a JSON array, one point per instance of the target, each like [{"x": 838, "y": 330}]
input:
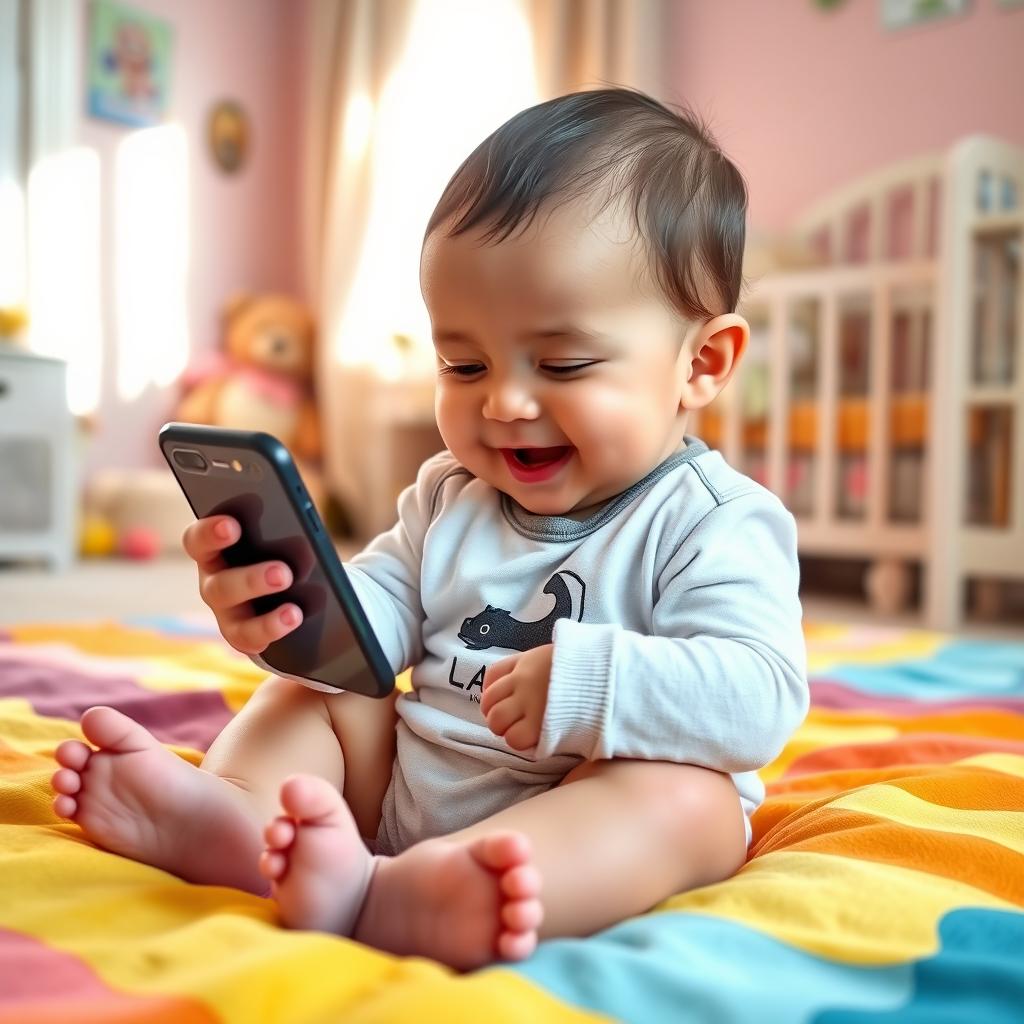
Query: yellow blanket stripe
[
  {"x": 809, "y": 901},
  {"x": 1008, "y": 764},
  {"x": 1003, "y": 827},
  {"x": 831, "y": 645},
  {"x": 222, "y": 947}
]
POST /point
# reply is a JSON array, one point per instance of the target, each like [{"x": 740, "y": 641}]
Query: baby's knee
[
  {"x": 681, "y": 794},
  {"x": 702, "y": 811}
]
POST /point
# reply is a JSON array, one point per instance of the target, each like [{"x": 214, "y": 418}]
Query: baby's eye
[
  {"x": 565, "y": 368},
  {"x": 462, "y": 370}
]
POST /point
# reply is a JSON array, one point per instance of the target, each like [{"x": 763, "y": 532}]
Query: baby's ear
[{"x": 712, "y": 356}]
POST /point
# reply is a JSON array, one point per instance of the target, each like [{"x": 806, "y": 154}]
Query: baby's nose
[{"x": 510, "y": 401}]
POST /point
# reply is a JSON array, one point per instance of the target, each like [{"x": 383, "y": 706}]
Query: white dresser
[{"x": 38, "y": 479}]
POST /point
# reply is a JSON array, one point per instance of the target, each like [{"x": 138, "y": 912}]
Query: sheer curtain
[
  {"x": 354, "y": 48},
  {"x": 581, "y": 44},
  {"x": 400, "y": 91}
]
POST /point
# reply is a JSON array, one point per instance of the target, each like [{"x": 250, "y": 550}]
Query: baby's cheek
[{"x": 608, "y": 411}]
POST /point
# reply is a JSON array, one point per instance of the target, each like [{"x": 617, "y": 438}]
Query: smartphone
[{"x": 251, "y": 476}]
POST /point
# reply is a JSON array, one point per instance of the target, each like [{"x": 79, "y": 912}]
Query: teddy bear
[{"x": 263, "y": 380}]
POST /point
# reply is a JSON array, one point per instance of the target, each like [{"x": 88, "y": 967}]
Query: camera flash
[{"x": 236, "y": 465}]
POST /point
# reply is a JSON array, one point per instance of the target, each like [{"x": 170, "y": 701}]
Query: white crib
[{"x": 882, "y": 396}]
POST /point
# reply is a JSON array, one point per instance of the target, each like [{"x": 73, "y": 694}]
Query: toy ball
[
  {"x": 97, "y": 537},
  {"x": 140, "y": 543}
]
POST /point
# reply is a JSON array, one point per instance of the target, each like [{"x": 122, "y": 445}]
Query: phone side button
[{"x": 311, "y": 515}]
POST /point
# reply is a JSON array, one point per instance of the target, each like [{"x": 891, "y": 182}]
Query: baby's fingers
[
  {"x": 250, "y": 635},
  {"x": 522, "y": 734},
  {"x": 494, "y": 692},
  {"x": 500, "y": 669},
  {"x": 230, "y": 588},
  {"x": 503, "y": 715},
  {"x": 206, "y": 538}
]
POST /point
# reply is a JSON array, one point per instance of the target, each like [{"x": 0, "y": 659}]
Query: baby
[{"x": 601, "y": 615}]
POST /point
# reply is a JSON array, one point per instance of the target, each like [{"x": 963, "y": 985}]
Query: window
[
  {"x": 467, "y": 68},
  {"x": 49, "y": 194},
  {"x": 13, "y": 283},
  {"x": 151, "y": 258}
]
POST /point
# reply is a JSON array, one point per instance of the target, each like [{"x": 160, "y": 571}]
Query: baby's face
[{"x": 554, "y": 339}]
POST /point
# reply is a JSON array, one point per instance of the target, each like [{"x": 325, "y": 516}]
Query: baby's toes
[
  {"x": 516, "y": 945},
  {"x": 501, "y": 851},
  {"x": 312, "y": 800},
  {"x": 522, "y": 915},
  {"x": 520, "y": 882},
  {"x": 66, "y": 781},
  {"x": 279, "y": 833},
  {"x": 273, "y": 864},
  {"x": 64, "y": 806},
  {"x": 73, "y": 754}
]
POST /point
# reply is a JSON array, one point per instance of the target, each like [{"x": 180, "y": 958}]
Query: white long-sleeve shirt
[{"x": 673, "y": 612}]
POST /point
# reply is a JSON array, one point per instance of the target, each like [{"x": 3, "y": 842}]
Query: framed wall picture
[
  {"x": 228, "y": 136},
  {"x": 898, "y": 14},
  {"x": 129, "y": 64}
]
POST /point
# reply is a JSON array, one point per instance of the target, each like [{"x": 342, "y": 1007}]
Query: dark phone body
[{"x": 334, "y": 648}]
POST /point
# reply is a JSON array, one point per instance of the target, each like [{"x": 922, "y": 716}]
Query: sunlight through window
[
  {"x": 467, "y": 68},
  {"x": 151, "y": 258},
  {"x": 358, "y": 123},
  {"x": 64, "y": 268}
]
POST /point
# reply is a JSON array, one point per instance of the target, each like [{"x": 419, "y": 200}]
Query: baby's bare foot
[
  {"x": 316, "y": 862},
  {"x": 463, "y": 903},
  {"x": 466, "y": 904},
  {"x": 136, "y": 798}
]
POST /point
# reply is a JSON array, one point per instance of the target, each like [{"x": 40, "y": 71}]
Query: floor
[
  {"x": 116, "y": 589},
  {"x": 104, "y": 589}
]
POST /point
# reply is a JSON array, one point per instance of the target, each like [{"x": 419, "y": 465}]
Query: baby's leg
[
  {"x": 287, "y": 728},
  {"x": 136, "y": 798},
  {"x": 616, "y": 837},
  {"x": 612, "y": 840}
]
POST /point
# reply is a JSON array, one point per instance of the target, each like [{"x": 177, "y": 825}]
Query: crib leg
[{"x": 887, "y": 585}]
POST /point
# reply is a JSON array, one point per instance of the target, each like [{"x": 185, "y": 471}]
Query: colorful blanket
[{"x": 885, "y": 882}]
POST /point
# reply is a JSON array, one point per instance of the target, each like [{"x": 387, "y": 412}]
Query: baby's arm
[
  {"x": 722, "y": 683},
  {"x": 386, "y": 574}
]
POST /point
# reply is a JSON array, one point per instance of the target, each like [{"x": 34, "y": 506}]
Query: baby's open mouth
[{"x": 539, "y": 456}]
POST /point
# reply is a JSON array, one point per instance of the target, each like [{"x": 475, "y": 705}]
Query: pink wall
[
  {"x": 244, "y": 228},
  {"x": 805, "y": 100}
]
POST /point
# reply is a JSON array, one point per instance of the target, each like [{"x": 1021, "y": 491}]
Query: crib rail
[
  {"x": 844, "y": 455},
  {"x": 979, "y": 367},
  {"x": 770, "y": 300}
]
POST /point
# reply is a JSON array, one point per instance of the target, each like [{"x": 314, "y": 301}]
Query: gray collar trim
[{"x": 560, "y": 528}]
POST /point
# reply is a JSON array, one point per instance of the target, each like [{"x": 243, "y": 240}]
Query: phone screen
[{"x": 246, "y": 485}]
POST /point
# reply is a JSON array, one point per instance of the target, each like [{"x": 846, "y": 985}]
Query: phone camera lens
[{"x": 188, "y": 459}]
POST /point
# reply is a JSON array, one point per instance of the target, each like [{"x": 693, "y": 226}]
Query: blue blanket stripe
[
  {"x": 685, "y": 968},
  {"x": 977, "y": 977},
  {"x": 960, "y": 669}
]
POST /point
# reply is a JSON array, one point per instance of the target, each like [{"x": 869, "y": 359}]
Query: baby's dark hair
[{"x": 689, "y": 201}]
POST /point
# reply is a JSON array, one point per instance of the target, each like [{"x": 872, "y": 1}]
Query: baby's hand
[
  {"x": 516, "y": 695},
  {"x": 229, "y": 591}
]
